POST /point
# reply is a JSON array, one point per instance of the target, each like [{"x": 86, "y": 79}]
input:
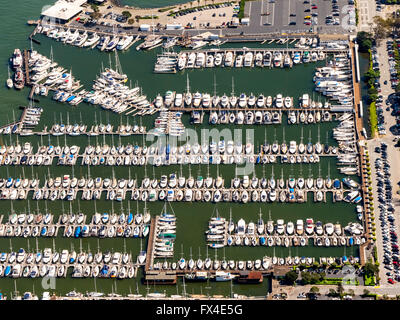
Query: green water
[{"x": 191, "y": 219}]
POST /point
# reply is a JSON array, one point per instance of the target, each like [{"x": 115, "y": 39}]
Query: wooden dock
[
  {"x": 150, "y": 244},
  {"x": 26, "y": 67}
]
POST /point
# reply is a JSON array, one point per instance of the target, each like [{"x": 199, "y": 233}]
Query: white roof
[{"x": 64, "y": 9}]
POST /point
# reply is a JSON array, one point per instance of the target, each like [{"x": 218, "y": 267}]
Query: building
[{"x": 63, "y": 11}]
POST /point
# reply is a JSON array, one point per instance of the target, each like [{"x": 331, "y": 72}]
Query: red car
[
  {"x": 390, "y": 281},
  {"x": 314, "y": 7}
]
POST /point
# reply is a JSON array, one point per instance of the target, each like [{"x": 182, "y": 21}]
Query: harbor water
[{"x": 192, "y": 220}]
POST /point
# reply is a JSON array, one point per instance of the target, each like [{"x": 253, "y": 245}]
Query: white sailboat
[{"x": 9, "y": 81}]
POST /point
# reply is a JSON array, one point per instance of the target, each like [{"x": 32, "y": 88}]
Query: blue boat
[
  {"x": 104, "y": 270},
  {"x": 71, "y": 98},
  {"x": 262, "y": 240},
  {"x": 357, "y": 200},
  {"x": 344, "y": 259},
  {"x": 351, "y": 241},
  {"x": 77, "y": 232},
  {"x": 84, "y": 229},
  {"x": 167, "y": 149},
  {"x": 102, "y": 160},
  {"x": 211, "y": 159},
  {"x": 130, "y": 218},
  {"x": 336, "y": 183},
  {"x": 14, "y": 129},
  {"x": 7, "y": 271},
  {"x": 43, "y": 231},
  {"x": 258, "y": 159}
]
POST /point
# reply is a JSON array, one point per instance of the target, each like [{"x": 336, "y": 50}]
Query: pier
[
  {"x": 150, "y": 244},
  {"x": 53, "y": 264},
  {"x": 26, "y": 67},
  {"x": 18, "y": 125},
  {"x": 72, "y": 226}
]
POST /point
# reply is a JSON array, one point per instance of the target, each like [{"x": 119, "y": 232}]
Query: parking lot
[{"x": 289, "y": 16}]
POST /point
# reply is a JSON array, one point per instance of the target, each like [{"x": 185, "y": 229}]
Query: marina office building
[{"x": 63, "y": 11}]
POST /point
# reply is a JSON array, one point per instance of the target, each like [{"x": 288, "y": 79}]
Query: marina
[{"x": 64, "y": 157}]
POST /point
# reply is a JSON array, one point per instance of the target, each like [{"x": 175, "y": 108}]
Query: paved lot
[
  {"x": 393, "y": 157},
  {"x": 279, "y": 16},
  {"x": 366, "y": 12}
]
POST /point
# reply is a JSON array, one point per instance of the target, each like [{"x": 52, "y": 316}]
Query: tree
[
  {"x": 314, "y": 290},
  {"x": 370, "y": 269},
  {"x": 94, "y": 7},
  {"x": 126, "y": 14},
  {"x": 382, "y": 28},
  {"x": 95, "y": 15},
  {"x": 366, "y": 292},
  {"x": 305, "y": 278},
  {"x": 131, "y": 21},
  {"x": 291, "y": 277},
  {"x": 340, "y": 288},
  {"x": 333, "y": 293},
  {"x": 364, "y": 40}
]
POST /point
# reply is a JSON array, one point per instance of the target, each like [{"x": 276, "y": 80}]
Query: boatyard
[{"x": 120, "y": 132}]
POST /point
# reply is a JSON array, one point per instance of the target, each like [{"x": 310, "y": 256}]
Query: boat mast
[
  {"x": 187, "y": 84},
  {"x": 215, "y": 86}
]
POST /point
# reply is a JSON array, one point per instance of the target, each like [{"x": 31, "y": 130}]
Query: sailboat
[
  {"x": 260, "y": 225},
  {"x": 9, "y": 81}
]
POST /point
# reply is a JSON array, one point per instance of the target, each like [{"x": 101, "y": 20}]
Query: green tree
[
  {"x": 126, "y": 14},
  {"x": 95, "y": 7},
  {"x": 370, "y": 269},
  {"x": 340, "y": 289},
  {"x": 333, "y": 293},
  {"x": 366, "y": 292},
  {"x": 364, "y": 40},
  {"x": 305, "y": 278},
  {"x": 291, "y": 277},
  {"x": 314, "y": 290}
]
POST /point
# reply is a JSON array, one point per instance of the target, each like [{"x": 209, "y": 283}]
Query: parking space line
[
  {"x": 288, "y": 14},
  {"x": 273, "y": 14},
  {"x": 249, "y": 12},
  {"x": 261, "y": 14}
]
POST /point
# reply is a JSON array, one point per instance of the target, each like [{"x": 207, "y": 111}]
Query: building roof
[{"x": 64, "y": 9}]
